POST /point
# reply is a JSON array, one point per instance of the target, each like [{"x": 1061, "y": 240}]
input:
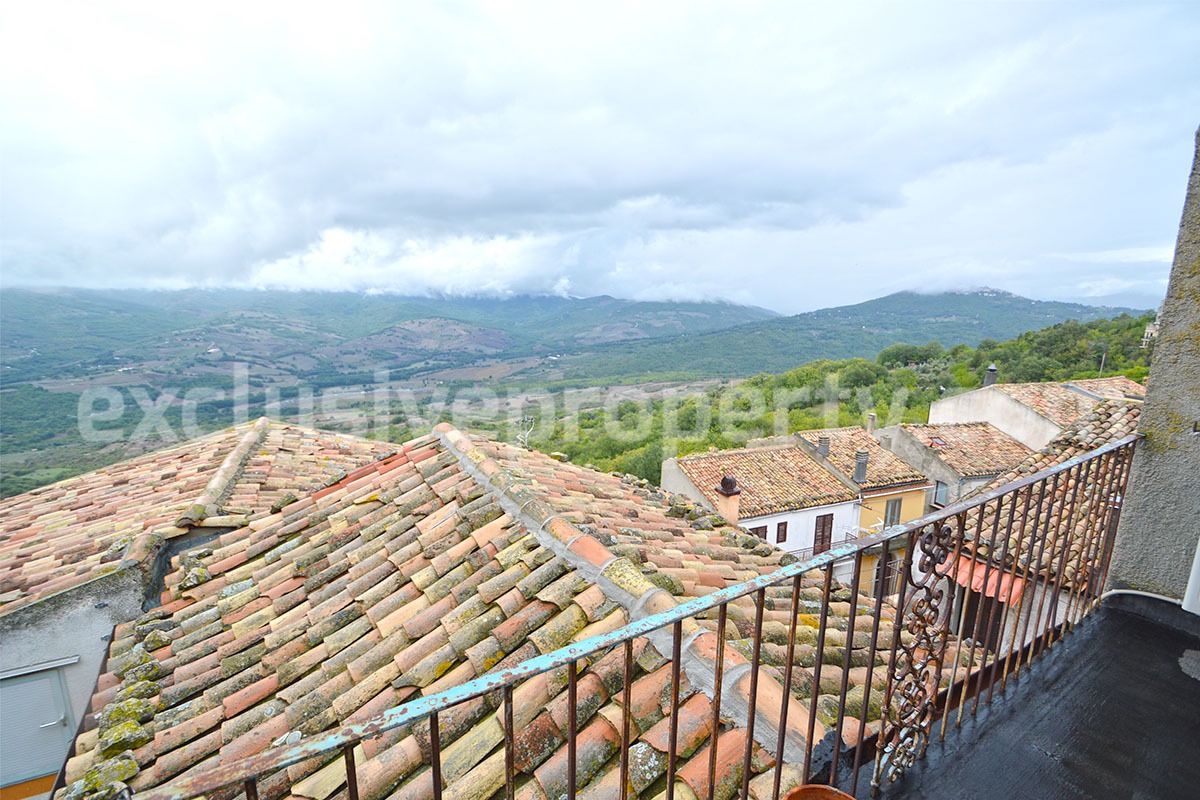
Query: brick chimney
[
  {"x": 871, "y": 422},
  {"x": 860, "y": 466},
  {"x": 990, "y": 377},
  {"x": 729, "y": 499},
  {"x": 823, "y": 446}
]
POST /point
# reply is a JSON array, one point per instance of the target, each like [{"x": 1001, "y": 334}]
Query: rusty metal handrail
[{"x": 204, "y": 779}]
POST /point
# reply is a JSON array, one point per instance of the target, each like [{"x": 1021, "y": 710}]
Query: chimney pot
[
  {"x": 871, "y": 422},
  {"x": 990, "y": 377},
  {"x": 728, "y": 501},
  {"x": 860, "y": 466},
  {"x": 823, "y": 445}
]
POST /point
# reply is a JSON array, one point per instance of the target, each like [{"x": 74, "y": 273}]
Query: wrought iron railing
[{"x": 1038, "y": 549}]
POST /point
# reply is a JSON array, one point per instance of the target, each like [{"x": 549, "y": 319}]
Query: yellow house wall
[
  {"x": 873, "y": 507},
  {"x": 912, "y": 506}
]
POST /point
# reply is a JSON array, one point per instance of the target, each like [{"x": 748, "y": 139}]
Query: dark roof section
[{"x": 1053, "y": 735}]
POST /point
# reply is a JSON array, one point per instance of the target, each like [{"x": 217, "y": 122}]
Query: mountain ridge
[{"x": 858, "y": 330}]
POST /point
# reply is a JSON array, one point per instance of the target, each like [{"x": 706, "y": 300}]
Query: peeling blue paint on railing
[{"x": 917, "y": 534}]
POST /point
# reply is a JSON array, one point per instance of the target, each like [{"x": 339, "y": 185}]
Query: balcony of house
[
  {"x": 995, "y": 663},
  {"x": 1110, "y": 712}
]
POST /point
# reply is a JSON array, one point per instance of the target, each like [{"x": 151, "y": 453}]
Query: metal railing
[
  {"x": 1039, "y": 548},
  {"x": 808, "y": 552}
]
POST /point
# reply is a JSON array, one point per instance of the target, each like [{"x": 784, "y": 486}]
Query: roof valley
[{"x": 622, "y": 582}]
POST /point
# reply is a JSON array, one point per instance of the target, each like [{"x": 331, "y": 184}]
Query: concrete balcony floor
[{"x": 1112, "y": 711}]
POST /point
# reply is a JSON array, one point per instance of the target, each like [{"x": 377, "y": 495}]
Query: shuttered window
[
  {"x": 823, "y": 535},
  {"x": 891, "y": 515}
]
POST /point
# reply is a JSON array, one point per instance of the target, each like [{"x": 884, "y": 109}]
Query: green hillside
[
  {"x": 898, "y": 386},
  {"x": 70, "y": 332},
  {"x": 61, "y": 350},
  {"x": 860, "y": 331}
]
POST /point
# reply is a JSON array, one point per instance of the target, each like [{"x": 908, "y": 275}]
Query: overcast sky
[{"x": 789, "y": 155}]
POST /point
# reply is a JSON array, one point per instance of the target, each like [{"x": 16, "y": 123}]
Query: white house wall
[
  {"x": 802, "y": 525},
  {"x": 673, "y": 480},
  {"x": 992, "y": 405}
]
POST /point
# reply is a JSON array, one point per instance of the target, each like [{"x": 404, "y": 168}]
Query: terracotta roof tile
[
  {"x": 1117, "y": 387},
  {"x": 68, "y": 533},
  {"x": 1109, "y": 421},
  {"x": 885, "y": 469},
  {"x": 389, "y": 588},
  {"x": 772, "y": 479},
  {"x": 1063, "y": 403},
  {"x": 971, "y": 449}
]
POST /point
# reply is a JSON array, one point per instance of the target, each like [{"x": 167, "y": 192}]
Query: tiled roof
[
  {"x": 971, "y": 449},
  {"x": 772, "y": 479},
  {"x": 1115, "y": 388},
  {"x": 452, "y": 558},
  {"x": 885, "y": 469},
  {"x": 1108, "y": 422},
  {"x": 1055, "y": 401},
  {"x": 59, "y": 536}
]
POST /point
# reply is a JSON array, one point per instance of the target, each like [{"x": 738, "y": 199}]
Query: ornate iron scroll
[{"x": 908, "y": 703}]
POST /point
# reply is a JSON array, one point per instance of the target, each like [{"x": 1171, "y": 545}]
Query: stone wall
[{"x": 1160, "y": 522}]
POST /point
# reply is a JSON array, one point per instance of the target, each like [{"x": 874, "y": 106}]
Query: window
[
  {"x": 823, "y": 535},
  {"x": 760, "y": 532},
  {"x": 891, "y": 515},
  {"x": 887, "y": 575},
  {"x": 781, "y": 533},
  {"x": 37, "y": 725},
  {"x": 940, "y": 493}
]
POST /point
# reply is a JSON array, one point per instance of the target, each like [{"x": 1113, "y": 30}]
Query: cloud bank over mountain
[{"x": 768, "y": 153}]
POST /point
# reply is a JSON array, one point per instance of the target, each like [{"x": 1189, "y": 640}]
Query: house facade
[
  {"x": 779, "y": 493},
  {"x": 891, "y": 492},
  {"x": 1033, "y": 413},
  {"x": 956, "y": 457}
]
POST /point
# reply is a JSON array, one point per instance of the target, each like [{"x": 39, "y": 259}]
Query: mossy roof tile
[{"x": 370, "y": 595}]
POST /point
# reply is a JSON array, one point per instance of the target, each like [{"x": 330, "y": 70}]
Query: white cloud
[
  {"x": 777, "y": 153},
  {"x": 365, "y": 260}
]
